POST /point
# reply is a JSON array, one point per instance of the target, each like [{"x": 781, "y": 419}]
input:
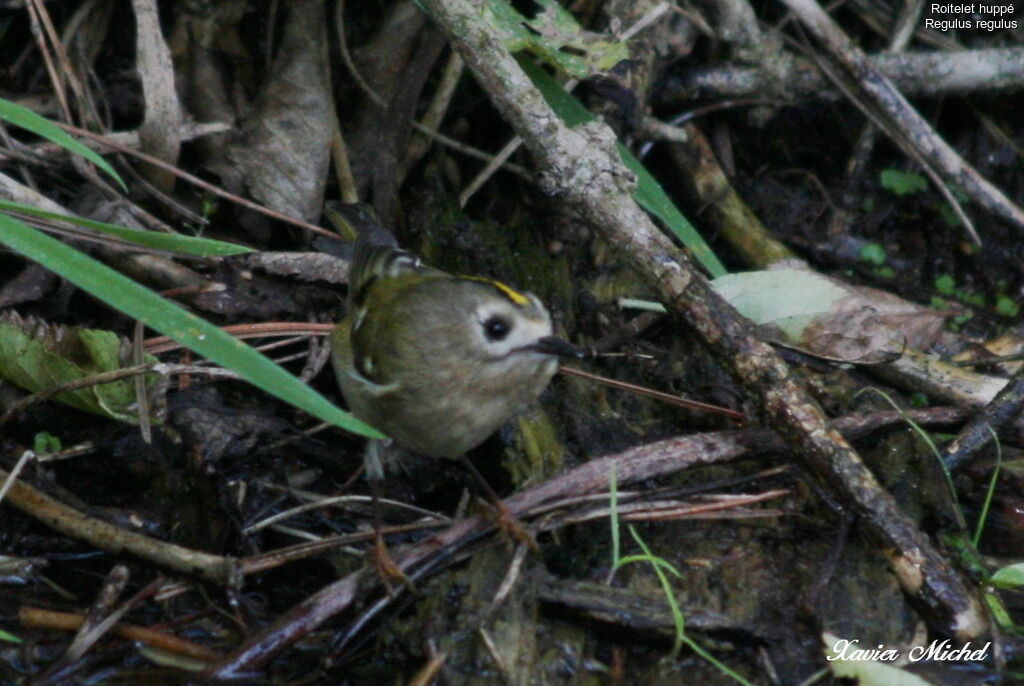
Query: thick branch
[{"x": 914, "y": 74}]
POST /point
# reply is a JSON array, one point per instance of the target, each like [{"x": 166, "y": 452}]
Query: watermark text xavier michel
[{"x": 942, "y": 651}]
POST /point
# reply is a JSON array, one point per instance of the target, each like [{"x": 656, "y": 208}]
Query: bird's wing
[{"x": 345, "y": 366}]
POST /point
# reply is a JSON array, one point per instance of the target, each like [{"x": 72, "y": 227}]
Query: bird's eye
[{"x": 496, "y": 329}]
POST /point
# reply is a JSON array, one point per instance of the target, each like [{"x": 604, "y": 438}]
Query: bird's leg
[
  {"x": 507, "y": 523},
  {"x": 388, "y": 571}
]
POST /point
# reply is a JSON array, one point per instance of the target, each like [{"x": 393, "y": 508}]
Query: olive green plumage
[{"x": 438, "y": 362}]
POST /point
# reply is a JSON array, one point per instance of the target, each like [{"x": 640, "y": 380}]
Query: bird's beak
[{"x": 553, "y": 345}]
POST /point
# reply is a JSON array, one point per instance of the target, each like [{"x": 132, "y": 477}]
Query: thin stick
[
  {"x": 32, "y": 617},
  {"x": 195, "y": 180},
  {"x": 37, "y": 31},
  {"x": 450, "y": 76},
  {"x": 163, "y": 344},
  {"x": 346, "y": 57},
  {"x": 470, "y": 151},
  {"x": 658, "y": 395},
  {"x": 105, "y": 536}
]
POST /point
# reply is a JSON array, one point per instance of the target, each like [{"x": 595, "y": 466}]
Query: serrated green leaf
[
  {"x": 164, "y": 316},
  {"x": 649, "y": 193},
  {"x": 171, "y": 242},
  {"x": 44, "y": 128},
  {"x": 38, "y": 357}
]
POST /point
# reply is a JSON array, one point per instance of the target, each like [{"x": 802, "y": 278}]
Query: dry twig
[{"x": 631, "y": 466}]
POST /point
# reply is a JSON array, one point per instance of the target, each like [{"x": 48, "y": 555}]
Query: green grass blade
[
  {"x": 171, "y": 242},
  {"x": 44, "y": 128},
  {"x": 682, "y": 638},
  {"x": 666, "y": 587},
  {"x": 11, "y": 638},
  {"x": 654, "y": 560},
  {"x": 159, "y": 314},
  {"x": 926, "y": 437},
  {"x": 649, "y": 193},
  {"x": 990, "y": 492},
  {"x": 1000, "y": 613}
]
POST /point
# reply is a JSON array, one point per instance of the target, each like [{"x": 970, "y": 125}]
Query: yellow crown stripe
[{"x": 515, "y": 296}]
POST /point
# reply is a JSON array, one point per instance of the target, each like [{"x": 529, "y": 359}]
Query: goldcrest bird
[{"x": 438, "y": 362}]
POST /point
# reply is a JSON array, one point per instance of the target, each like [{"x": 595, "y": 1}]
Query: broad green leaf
[
  {"x": 1010, "y": 576},
  {"x": 38, "y": 356},
  {"x": 790, "y": 299},
  {"x": 171, "y": 242},
  {"x": 649, "y": 193},
  {"x": 44, "y": 128},
  {"x": 825, "y": 317},
  {"x": 553, "y": 35},
  {"x": 161, "y": 315}
]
